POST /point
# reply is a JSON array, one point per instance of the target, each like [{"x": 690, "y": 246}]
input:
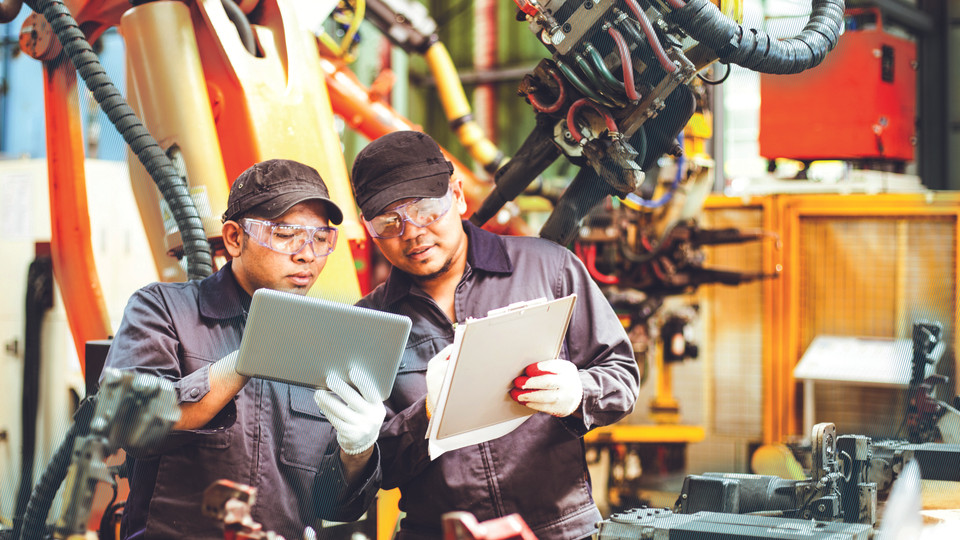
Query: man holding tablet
[
  {"x": 444, "y": 271},
  {"x": 305, "y": 465}
]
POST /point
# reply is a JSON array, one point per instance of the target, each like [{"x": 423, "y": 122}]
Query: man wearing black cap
[
  {"x": 444, "y": 271},
  {"x": 272, "y": 436}
]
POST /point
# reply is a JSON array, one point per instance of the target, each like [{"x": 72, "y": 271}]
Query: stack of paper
[{"x": 474, "y": 404}]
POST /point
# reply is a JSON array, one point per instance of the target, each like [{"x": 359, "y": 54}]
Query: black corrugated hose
[
  {"x": 34, "y": 522},
  {"x": 754, "y": 49},
  {"x": 148, "y": 151}
]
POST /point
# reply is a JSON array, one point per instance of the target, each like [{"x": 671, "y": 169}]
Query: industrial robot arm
[{"x": 615, "y": 93}]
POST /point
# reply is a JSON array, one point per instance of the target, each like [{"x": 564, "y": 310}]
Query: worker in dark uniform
[
  {"x": 307, "y": 463},
  {"x": 445, "y": 271}
]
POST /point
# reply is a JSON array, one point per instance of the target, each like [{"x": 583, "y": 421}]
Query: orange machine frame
[
  {"x": 782, "y": 214},
  {"x": 242, "y": 141}
]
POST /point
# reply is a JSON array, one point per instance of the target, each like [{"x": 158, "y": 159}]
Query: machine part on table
[
  {"x": 929, "y": 419},
  {"x": 656, "y": 524},
  {"x": 838, "y": 489},
  {"x": 231, "y": 502},
  {"x": 615, "y": 94},
  {"x": 464, "y": 526},
  {"x": 937, "y": 461}
]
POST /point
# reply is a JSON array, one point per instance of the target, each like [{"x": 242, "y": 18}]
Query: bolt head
[{"x": 37, "y": 38}]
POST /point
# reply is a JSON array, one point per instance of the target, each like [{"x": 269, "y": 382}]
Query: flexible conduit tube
[
  {"x": 148, "y": 151},
  {"x": 673, "y": 187},
  {"x": 572, "y": 118},
  {"x": 595, "y": 79},
  {"x": 652, "y": 37},
  {"x": 626, "y": 61},
  {"x": 457, "y": 109},
  {"x": 583, "y": 88},
  {"x": 597, "y": 60},
  {"x": 561, "y": 96},
  {"x": 755, "y": 49},
  {"x": 35, "y": 519}
]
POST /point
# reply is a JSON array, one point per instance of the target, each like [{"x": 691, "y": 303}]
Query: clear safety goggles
[
  {"x": 291, "y": 239},
  {"x": 421, "y": 212}
]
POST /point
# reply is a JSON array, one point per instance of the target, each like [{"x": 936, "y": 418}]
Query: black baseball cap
[
  {"x": 274, "y": 186},
  {"x": 396, "y": 166}
]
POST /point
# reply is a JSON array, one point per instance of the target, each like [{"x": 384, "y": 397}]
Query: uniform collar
[
  {"x": 221, "y": 296},
  {"x": 485, "y": 252}
]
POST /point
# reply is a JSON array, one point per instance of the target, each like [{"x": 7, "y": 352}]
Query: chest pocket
[
  {"x": 306, "y": 433},
  {"x": 418, "y": 353}
]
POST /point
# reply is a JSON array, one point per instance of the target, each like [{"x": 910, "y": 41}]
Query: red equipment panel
[{"x": 860, "y": 103}]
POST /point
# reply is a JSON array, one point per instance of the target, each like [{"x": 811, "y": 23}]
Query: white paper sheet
[{"x": 488, "y": 354}]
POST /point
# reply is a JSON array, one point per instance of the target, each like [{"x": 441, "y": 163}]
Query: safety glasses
[
  {"x": 420, "y": 212},
  {"x": 291, "y": 239}
]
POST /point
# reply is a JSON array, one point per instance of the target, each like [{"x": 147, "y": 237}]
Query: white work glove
[
  {"x": 356, "y": 416},
  {"x": 436, "y": 370},
  {"x": 551, "y": 386}
]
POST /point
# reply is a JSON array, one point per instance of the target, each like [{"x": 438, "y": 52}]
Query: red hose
[
  {"x": 626, "y": 61},
  {"x": 539, "y": 107},
  {"x": 588, "y": 254},
  {"x": 655, "y": 265},
  {"x": 652, "y": 38},
  {"x": 572, "y": 112}
]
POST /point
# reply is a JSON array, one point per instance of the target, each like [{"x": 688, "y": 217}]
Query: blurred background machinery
[{"x": 628, "y": 94}]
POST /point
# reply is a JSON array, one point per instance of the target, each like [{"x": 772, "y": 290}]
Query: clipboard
[{"x": 474, "y": 404}]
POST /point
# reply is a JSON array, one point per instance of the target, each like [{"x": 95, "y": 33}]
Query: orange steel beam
[
  {"x": 73, "y": 262},
  {"x": 366, "y": 113}
]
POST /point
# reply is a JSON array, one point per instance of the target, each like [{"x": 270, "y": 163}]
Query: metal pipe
[{"x": 457, "y": 109}]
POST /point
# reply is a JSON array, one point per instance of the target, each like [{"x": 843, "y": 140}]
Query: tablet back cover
[{"x": 300, "y": 339}]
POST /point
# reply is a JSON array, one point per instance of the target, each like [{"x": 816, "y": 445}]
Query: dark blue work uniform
[{"x": 272, "y": 436}]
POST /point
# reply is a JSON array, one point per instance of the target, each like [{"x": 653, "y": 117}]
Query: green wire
[
  {"x": 601, "y": 67},
  {"x": 575, "y": 80}
]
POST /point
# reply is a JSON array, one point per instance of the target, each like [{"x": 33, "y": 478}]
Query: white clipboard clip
[{"x": 517, "y": 306}]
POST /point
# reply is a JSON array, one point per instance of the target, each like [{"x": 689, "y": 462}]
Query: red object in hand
[{"x": 533, "y": 370}]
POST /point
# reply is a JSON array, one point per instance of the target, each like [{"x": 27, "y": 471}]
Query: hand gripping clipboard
[{"x": 474, "y": 404}]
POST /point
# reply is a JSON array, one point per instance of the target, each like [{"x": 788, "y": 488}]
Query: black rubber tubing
[
  {"x": 173, "y": 188},
  {"x": 755, "y": 49}
]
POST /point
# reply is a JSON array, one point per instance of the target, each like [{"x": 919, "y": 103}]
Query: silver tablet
[{"x": 300, "y": 340}]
